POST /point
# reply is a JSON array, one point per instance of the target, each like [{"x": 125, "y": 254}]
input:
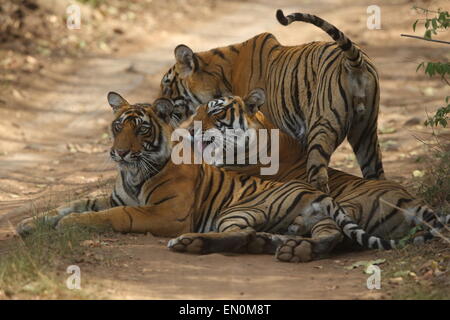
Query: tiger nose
[{"x": 122, "y": 153}]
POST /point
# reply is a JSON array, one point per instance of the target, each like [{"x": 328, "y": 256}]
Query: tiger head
[
  {"x": 236, "y": 119},
  {"x": 198, "y": 77},
  {"x": 142, "y": 133},
  {"x": 232, "y": 112}
]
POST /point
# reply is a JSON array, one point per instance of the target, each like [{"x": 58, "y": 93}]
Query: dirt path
[{"x": 55, "y": 149}]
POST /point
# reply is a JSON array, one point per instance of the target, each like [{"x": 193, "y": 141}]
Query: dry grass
[
  {"x": 425, "y": 270},
  {"x": 418, "y": 272},
  {"x": 35, "y": 266}
]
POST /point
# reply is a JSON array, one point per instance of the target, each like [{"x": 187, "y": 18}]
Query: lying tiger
[
  {"x": 360, "y": 198},
  {"x": 208, "y": 209},
  {"x": 319, "y": 93}
]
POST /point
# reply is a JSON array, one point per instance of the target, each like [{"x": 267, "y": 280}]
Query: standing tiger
[
  {"x": 361, "y": 199},
  {"x": 319, "y": 93},
  {"x": 208, "y": 209}
]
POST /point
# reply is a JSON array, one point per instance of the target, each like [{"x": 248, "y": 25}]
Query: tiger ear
[
  {"x": 187, "y": 122},
  {"x": 116, "y": 101},
  {"x": 163, "y": 108},
  {"x": 254, "y": 100},
  {"x": 186, "y": 59}
]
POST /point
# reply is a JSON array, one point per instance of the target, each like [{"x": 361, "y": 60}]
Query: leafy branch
[{"x": 438, "y": 22}]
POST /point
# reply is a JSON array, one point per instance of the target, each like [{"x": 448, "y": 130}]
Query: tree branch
[{"x": 422, "y": 38}]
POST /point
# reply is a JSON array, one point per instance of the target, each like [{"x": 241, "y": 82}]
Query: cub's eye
[
  {"x": 117, "y": 126},
  {"x": 219, "y": 113},
  {"x": 143, "y": 130}
]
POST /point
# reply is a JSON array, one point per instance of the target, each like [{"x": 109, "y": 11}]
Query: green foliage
[
  {"x": 441, "y": 117},
  {"x": 435, "y": 68},
  {"x": 439, "y": 22}
]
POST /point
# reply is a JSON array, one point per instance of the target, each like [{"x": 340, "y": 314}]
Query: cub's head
[
  {"x": 198, "y": 77},
  {"x": 232, "y": 112},
  {"x": 227, "y": 122},
  {"x": 142, "y": 133}
]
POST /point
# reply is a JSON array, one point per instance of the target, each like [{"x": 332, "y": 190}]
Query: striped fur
[
  {"x": 319, "y": 93},
  {"x": 360, "y": 198},
  {"x": 209, "y": 209}
]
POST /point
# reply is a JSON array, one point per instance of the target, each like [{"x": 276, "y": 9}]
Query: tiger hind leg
[{"x": 363, "y": 136}]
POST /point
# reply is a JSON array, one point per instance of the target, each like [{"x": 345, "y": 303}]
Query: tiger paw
[
  {"x": 294, "y": 251},
  {"x": 28, "y": 225},
  {"x": 321, "y": 184},
  {"x": 187, "y": 243}
]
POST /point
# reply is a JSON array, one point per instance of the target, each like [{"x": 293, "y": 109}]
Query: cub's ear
[
  {"x": 163, "y": 108},
  {"x": 254, "y": 100},
  {"x": 187, "y": 123},
  {"x": 116, "y": 101},
  {"x": 186, "y": 60}
]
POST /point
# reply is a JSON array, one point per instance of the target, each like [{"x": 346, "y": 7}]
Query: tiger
[
  {"x": 319, "y": 92},
  {"x": 361, "y": 199},
  {"x": 203, "y": 208}
]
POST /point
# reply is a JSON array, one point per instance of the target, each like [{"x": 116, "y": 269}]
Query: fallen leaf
[
  {"x": 365, "y": 263},
  {"x": 418, "y": 173},
  {"x": 387, "y": 130},
  {"x": 401, "y": 273},
  {"x": 87, "y": 243},
  {"x": 396, "y": 280}
]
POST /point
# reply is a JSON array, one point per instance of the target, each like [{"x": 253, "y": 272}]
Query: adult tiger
[
  {"x": 361, "y": 199},
  {"x": 228, "y": 211},
  {"x": 318, "y": 93}
]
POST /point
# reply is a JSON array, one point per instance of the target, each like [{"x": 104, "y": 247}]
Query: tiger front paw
[
  {"x": 191, "y": 243},
  {"x": 295, "y": 251},
  {"x": 29, "y": 225},
  {"x": 321, "y": 181}
]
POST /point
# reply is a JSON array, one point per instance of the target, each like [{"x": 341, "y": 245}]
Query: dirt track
[{"x": 54, "y": 147}]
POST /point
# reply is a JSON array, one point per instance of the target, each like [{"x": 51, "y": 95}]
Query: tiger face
[
  {"x": 141, "y": 134},
  {"x": 197, "y": 79},
  {"x": 232, "y": 117},
  {"x": 232, "y": 112}
]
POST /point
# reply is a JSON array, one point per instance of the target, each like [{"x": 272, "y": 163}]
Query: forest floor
[{"x": 54, "y": 139}]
